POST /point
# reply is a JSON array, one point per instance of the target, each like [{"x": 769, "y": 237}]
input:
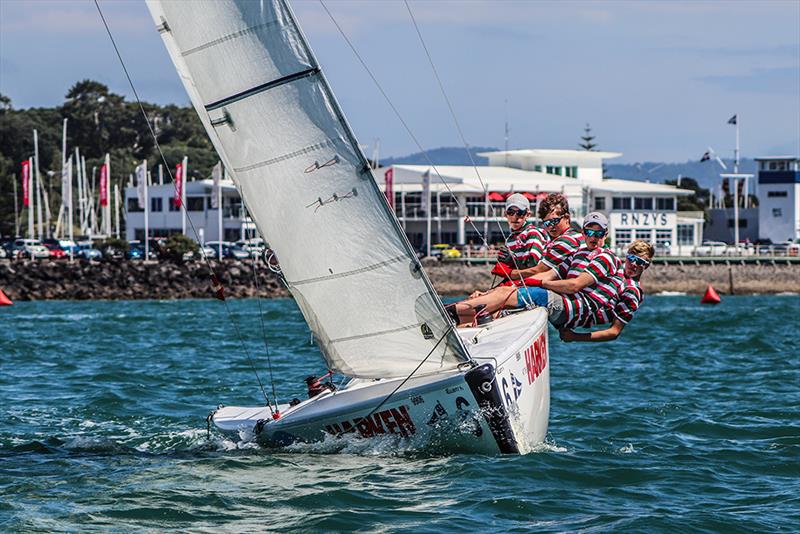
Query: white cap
[
  {"x": 519, "y": 201},
  {"x": 596, "y": 217}
]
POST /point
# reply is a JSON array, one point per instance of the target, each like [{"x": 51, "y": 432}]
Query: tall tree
[{"x": 587, "y": 139}]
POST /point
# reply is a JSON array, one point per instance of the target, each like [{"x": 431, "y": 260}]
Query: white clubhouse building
[{"x": 461, "y": 211}]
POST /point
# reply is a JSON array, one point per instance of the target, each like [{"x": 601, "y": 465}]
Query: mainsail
[{"x": 274, "y": 121}]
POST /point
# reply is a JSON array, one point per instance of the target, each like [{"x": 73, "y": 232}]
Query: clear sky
[{"x": 656, "y": 80}]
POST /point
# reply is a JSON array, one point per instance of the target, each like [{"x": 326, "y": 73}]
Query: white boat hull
[{"x": 500, "y": 405}]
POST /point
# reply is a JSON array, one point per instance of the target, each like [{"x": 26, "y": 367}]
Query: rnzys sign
[{"x": 647, "y": 219}]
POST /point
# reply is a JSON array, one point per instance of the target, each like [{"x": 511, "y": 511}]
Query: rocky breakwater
[{"x": 44, "y": 280}]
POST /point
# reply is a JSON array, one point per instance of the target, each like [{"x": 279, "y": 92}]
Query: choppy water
[{"x": 691, "y": 421}]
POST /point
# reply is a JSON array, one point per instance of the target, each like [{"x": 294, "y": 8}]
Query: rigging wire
[
  {"x": 463, "y": 138},
  {"x": 263, "y": 327},
  {"x": 411, "y": 133},
  {"x": 406, "y": 379},
  {"x": 186, "y": 212},
  {"x": 400, "y": 118}
]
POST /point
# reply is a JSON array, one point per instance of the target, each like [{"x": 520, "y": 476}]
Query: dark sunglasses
[
  {"x": 552, "y": 222},
  {"x": 594, "y": 233},
  {"x": 513, "y": 212},
  {"x": 638, "y": 261}
]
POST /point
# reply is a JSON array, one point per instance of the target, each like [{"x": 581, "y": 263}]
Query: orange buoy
[
  {"x": 711, "y": 296},
  {"x": 4, "y": 300}
]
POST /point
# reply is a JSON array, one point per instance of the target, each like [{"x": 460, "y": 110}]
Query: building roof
[
  {"x": 613, "y": 185},
  {"x": 778, "y": 158},
  {"x": 548, "y": 152},
  {"x": 462, "y": 178}
]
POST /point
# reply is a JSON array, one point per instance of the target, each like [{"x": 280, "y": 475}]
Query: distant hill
[
  {"x": 706, "y": 173},
  {"x": 442, "y": 156}
]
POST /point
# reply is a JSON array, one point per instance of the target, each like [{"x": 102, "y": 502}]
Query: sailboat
[{"x": 410, "y": 373}]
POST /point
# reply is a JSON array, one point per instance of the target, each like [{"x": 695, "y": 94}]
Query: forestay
[{"x": 272, "y": 117}]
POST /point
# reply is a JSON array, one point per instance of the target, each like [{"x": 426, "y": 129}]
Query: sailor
[
  {"x": 525, "y": 244},
  {"x": 576, "y": 288},
  {"x": 622, "y": 309},
  {"x": 563, "y": 242}
]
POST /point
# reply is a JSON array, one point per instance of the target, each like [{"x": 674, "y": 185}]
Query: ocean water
[{"x": 689, "y": 422}]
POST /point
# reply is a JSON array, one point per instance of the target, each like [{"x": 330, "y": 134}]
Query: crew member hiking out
[
  {"x": 525, "y": 244},
  {"x": 623, "y": 307},
  {"x": 590, "y": 279}
]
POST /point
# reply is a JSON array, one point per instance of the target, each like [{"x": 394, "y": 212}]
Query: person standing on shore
[
  {"x": 525, "y": 244},
  {"x": 622, "y": 309}
]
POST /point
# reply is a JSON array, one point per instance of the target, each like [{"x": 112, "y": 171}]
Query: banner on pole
[
  {"x": 141, "y": 178},
  {"x": 26, "y": 182},
  {"x": 389, "y": 189},
  {"x": 426, "y": 191},
  {"x": 216, "y": 176},
  {"x": 104, "y": 185},
  {"x": 178, "y": 185}
]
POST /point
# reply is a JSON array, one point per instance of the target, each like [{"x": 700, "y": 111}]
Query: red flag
[
  {"x": 389, "y": 192},
  {"x": 104, "y": 185},
  {"x": 178, "y": 185},
  {"x": 26, "y": 175}
]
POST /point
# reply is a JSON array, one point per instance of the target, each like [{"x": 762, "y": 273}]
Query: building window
[
  {"x": 777, "y": 212},
  {"x": 686, "y": 234},
  {"x": 645, "y": 234},
  {"x": 133, "y": 205},
  {"x": 643, "y": 203},
  {"x": 666, "y": 204},
  {"x": 622, "y": 237},
  {"x": 173, "y": 206},
  {"x": 742, "y": 223},
  {"x": 194, "y": 203},
  {"x": 600, "y": 203},
  {"x": 156, "y": 204},
  {"x": 621, "y": 203},
  {"x": 232, "y": 234},
  {"x": 537, "y": 168},
  {"x": 553, "y": 169},
  {"x": 663, "y": 239},
  {"x": 571, "y": 172},
  {"x": 772, "y": 194}
]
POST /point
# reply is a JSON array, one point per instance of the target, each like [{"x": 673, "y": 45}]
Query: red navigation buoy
[
  {"x": 711, "y": 296},
  {"x": 4, "y": 300}
]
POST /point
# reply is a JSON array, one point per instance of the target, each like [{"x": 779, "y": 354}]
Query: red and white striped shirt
[
  {"x": 623, "y": 307},
  {"x": 606, "y": 270},
  {"x": 560, "y": 250},
  {"x": 526, "y": 245}
]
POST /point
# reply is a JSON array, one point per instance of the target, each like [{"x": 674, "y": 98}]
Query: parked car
[
  {"x": 229, "y": 250},
  {"x": 87, "y": 252},
  {"x": 711, "y": 248},
  {"x": 31, "y": 248},
  {"x": 444, "y": 251},
  {"x": 204, "y": 251},
  {"x": 255, "y": 246},
  {"x": 136, "y": 251},
  {"x": 56, "y": 252}
]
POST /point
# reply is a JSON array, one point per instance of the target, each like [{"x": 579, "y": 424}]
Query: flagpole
[
  {"x": 219, "y": 215},
  {"x": 63, "y": 161},
  {"x": 16, "y": 209},
  {"x": 38, "y": 188},
  {"x": 183, "y": 194},
  {"x": 146, "y": 214},
  {"x": 69, "y": 206},
  {"x": 31, "y": 198}
]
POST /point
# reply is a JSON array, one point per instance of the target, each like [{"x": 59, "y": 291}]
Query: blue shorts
[{"x": 526, "y": 295}]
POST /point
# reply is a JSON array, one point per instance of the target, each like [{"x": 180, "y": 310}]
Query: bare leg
[{"x": 495, "y": 300}]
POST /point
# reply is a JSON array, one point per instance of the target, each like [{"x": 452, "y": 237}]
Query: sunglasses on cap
[
  {"x": 594, "y": 233},
  {"x": 636, "y": 260},
  {"x": 552, "y": 222},
  {"x": 514, "y": 212}
]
